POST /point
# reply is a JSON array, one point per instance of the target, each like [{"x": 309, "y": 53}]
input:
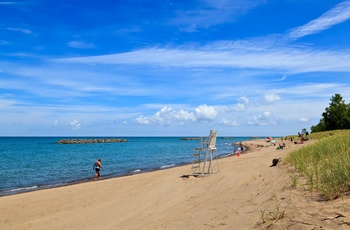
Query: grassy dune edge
[{"x": 325, "y": 164}]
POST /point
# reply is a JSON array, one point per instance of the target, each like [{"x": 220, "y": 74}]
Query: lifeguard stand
[
  {"x": 205, "y": 154},
  {"x": 198, "y": 156}
]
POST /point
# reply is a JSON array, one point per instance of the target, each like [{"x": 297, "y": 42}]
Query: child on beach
[{"x": 97, "y": 167}]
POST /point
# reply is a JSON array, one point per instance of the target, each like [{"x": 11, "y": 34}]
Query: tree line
[{"x": 336, "y": 116}]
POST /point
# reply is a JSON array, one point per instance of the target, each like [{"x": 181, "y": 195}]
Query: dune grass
[{"x": 325, "y": 164}]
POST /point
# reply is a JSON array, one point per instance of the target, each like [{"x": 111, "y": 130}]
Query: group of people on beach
[{"x": 239, "y": 150}]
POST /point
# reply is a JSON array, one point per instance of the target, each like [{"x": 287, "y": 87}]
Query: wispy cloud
[
  {"x": 2, "y": 42},
  {"x": 7, "y": 3},
  {"x": 21, "y": 30},
  {"x": 288, "y": 59},
  {"x": 282, "y": 78},
  {"x": 313, "y": 89},
  {"x": 80, "y": 45},
  {"x": 270, "y": 53},
  {"x": 338, "y": 14},
  {"x": 213, "y": 13}
]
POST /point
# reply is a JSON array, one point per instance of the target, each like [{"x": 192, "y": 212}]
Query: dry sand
[{"x": 245, "y": 193}]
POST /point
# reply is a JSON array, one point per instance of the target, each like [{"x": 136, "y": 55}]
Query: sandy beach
[{"x": 245, "y": 194}]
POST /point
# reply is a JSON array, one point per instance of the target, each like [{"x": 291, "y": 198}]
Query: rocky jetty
[
  {"x": 89, "y": 141},
  {"x": 190, "y": 138}
]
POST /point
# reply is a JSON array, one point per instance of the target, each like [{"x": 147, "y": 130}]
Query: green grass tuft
[{"x": 325, "y": 164}]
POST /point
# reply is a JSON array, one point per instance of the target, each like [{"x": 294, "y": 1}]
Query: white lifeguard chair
[
  {"x": 205, "y": 155},
  {"x": 210, "y": 155},
  {"x": 198, "y": 156}
]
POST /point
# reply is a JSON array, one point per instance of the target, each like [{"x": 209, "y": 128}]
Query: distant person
[
  {"x": 97, "y": 167},
  {"x": 281, "y": 146},
  {"x": 241, "y": 146}
]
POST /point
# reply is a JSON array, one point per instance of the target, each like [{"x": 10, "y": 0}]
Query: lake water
[{"x": 32, "y": 163}]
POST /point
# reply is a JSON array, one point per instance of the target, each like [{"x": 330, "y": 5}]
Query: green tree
[
  {"x": 319, "y": 127},
  {"x": 336, "y": 116}
]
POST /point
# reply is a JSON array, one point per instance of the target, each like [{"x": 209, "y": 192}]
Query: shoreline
[
  {"x": 82, "y": 181},
  {"x": 79, "y": 171},
  {"x": 233, "y": 198},
  {"x": 35, "y": 188}
]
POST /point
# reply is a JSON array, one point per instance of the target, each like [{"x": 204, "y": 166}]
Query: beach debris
[
  {"x": 334, "y": 217},
  {"x": 344, "y": 222},
  {"x": 275, "y": 161}
]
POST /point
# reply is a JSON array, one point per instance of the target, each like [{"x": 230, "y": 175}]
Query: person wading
[{"x": 97, "y": 167}]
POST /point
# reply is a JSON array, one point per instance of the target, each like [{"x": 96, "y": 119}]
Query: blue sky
[{"x": 170, "y": 68}]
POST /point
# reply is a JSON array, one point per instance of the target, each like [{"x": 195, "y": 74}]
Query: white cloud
[
  {"x": 206, "y": 112},
  {"x": 244, "y": 100},
  {"x": 229, "y": 123},
  {"x": 75, "y": 124},
  {"x": 237, "y": 107},
  {"x": 303, "y": 119},
  {"x": 271, "y": 97},
  {"x": 143, "y": 120},
  {"x": 166, "y": 116},
  {"x": 264, "y": 119},
  {"x": 169, "y": 115},
  {"x": 337, "y": 15}
]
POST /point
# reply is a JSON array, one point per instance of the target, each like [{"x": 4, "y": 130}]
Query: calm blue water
[{"x": 31, "y": 163}]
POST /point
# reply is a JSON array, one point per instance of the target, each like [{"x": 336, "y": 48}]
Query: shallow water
[{"x": 31, "y": 163}]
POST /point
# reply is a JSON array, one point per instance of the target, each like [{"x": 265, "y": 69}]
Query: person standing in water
[{"x": 97, "y": 167}]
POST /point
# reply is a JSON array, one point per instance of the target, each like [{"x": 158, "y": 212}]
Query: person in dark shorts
[
  {"x": 241, "y": 146},
  {"x": 97, "y": 167}
]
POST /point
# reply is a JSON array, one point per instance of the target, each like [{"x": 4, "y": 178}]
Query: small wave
[
  {"x": 225, "y": 155},
  {"x": 136, "y": 170},
  {"x": 24, "y": 188},
  {"x": 167, "y": 166}
]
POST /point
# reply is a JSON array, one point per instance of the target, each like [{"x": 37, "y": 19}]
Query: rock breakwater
[
  {"x": 89, "y": 141},
  {"x": 190, "y": 138}
]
